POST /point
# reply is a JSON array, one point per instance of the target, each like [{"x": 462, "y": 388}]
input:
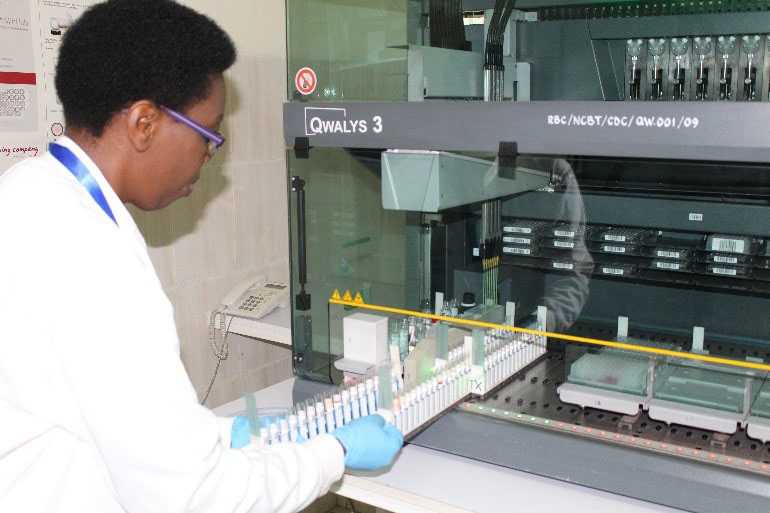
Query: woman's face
[{"x": 179, "y": 151}]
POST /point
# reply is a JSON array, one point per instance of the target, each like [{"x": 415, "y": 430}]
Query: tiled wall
[{"x": 235, "y": 223}]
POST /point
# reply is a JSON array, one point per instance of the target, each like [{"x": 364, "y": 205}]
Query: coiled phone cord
[{"x": 221, "y": 351}]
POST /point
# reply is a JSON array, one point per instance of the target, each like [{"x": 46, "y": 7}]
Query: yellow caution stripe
[{"x": 560, "y": 336}]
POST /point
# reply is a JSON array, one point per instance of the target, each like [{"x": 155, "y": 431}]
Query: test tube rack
[{"x": 484, "y": 362}]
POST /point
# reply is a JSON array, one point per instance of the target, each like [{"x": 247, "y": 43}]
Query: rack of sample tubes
[{"x": 481, "y": 363}]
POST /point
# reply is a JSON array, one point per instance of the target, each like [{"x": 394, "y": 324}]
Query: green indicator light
[
  {"x": 547, "y": 421},
  {"x": 519, "y": 416},
  {"x": 533, "y": 419}
]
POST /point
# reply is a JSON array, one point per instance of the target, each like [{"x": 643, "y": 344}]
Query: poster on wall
[
  {"x": 18, "y": 80},
  {"x": 19, "y": 84},
  {"x": 30, "y": 35},
  {"x": 55, "y": 18}
]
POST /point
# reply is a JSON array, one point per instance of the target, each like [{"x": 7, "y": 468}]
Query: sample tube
[
  {"x": 302, "y": 422},
  {"x": 363, "y": 399},
  {"x": 403, "y": 340},
  {"x": 371, "y": 402},
  {"x": 347, "y": 415},
  {"x": 320, "y": 419},
  {"x": 312, "y": 425},
  {"x": 434, "y": 404},
  {"x": 275, "y": 438},
  {"x": 355, "y": 406},
  {"x": 331, "y": 424},
  {"x": 409, "y": 415},
  {"x": 293, "y": 428},
  {"x": 397, "y": 414},
  {"x": 339, "y": 420}
]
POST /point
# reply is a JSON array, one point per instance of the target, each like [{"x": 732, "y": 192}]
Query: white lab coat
[{"x": 97, "y": 413}]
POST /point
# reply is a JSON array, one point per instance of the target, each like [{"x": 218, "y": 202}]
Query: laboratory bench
[
  {"x": 424, "y": 480},
  {"x": 275, "y": 327}
]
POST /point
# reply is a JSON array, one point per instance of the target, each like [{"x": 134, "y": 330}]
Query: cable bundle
[
  {"x": 447, "y": 29},
  {"x": 491, "y": 250},
  {"x": 494, "y": 68}
]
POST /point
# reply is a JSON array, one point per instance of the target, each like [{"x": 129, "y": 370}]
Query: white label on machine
[
  {"x": 622, "y": 327},
  {"x": 724, "y": 271},
  {"x": 510, "y": 313},
  {"x": 564, "y": 233},
  {"x": 668, "y": 254},
  {"x": 672, "y": 266},
  {"x": 698, "y": 335},
  {"x": 563, "y": 244},
  {"x": 613, "y": 270},
  {"x": 517, "y": 229},
  {"x": 517, "y": 240},
  {"x": 615, "y": 238},
  {"x": 563, "y": 265},
  {"x": 542, "y": 318},
  {"x": 439, "y": 302},
  {"x": 695, "y": 216},
  {"x": 613, "y": 249},
  {"x": 725, "y": 259},
  {"x": 728, "y": 245},
  {"x": 517, "y": 251}
]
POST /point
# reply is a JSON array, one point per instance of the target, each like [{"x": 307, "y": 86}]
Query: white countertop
[
  {"x": 274, "y": 327},
  {"x": 428, "y": 481}
]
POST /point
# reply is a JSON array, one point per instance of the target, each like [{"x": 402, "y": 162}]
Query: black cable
[
  {"x": 433, "y": 13},
  {"x": 504, "y": 23},
  {"x": 491, "y": 52},
  {"x": 447, "y": 27},
  {"x": 462, "y": 43}
]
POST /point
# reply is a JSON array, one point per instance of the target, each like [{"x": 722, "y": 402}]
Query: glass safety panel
[
  {"x": 613, "y": 258},
  {"x": 661, "y": 257},
  {"x": 348, "y": 50},
  {"x": 637, "y": 50}
]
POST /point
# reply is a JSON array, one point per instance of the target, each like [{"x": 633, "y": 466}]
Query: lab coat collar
[{"x": 123, "y": 217}]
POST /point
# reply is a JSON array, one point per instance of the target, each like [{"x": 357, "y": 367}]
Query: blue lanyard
[{"x": 80, "y": 171}]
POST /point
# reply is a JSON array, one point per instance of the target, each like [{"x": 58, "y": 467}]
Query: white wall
[{"x": 235, "y": 223}]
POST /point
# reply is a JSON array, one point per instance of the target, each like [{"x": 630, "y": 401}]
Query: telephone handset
[{"x": 253, "y": 299}]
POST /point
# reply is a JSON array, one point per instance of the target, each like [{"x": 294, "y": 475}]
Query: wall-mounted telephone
[{"x": 253, "y": 299}]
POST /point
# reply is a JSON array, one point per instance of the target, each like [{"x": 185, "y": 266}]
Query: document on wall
[
  {"x": 19, "y": 85},
  {"x": 18, "y": 81},
  {"x": 31, "y": 115},
  {"x": 56, "y": 17}
]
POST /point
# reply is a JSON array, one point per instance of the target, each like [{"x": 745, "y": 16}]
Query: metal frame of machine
[{"x": 713, "y": 131}]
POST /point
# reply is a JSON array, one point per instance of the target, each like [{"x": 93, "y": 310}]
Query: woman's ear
[{"x": 142, "y": 124}]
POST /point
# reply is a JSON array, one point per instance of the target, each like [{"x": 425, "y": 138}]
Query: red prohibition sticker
[{"x": 306, "y": 81}]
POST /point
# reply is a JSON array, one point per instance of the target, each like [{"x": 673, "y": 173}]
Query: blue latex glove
[
  {"x": 370, "y": 443},
  {"x": 240, "y": 433}
]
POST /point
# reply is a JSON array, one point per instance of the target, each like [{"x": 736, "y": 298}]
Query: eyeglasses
[{"x": 214, "y": 140}]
